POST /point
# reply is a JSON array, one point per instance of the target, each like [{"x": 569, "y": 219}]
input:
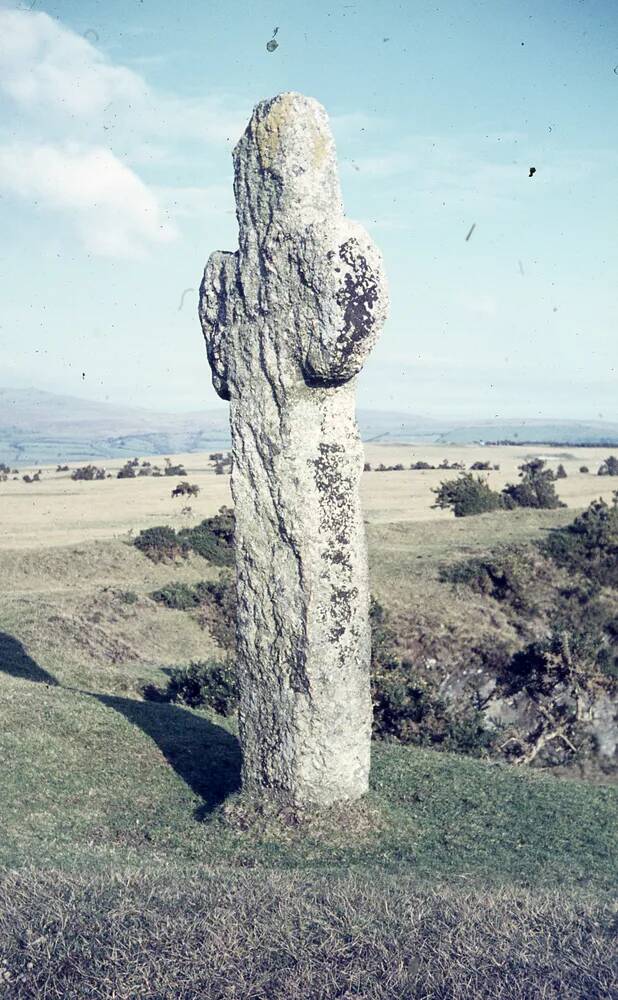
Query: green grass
[
  {"x": 93, "y": 779},
  {"x": 126, "y": 878}
]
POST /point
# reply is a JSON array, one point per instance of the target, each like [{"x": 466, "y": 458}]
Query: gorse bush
[
  {"x": 609, "y": 467},
  {"x": 589, "y": 545},
  {"x": 86, "y": 472},
  {"x": 127, "y": 596},
  {"x": 407, "y": 709},
  {"x": 560, "y": 675},
  {"x": 575, "y": 661},
  {"x": 213, "y": 538},
  {"x": 467, "y": 495},
  {"x": 209, "y": 684},
  {"x": 160, "y": 543},
  {"x": 217, "y": 599},
  {"x": 505, "y": 576},
  {"x": 536, "y": 488},
  {"x": 174, "y": 470},
  {"x": 179, "y": 596},
  {"x": 472, "y": 495}
]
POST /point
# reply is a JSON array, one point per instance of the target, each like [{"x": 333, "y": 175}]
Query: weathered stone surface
[{"x": 289, "y": 320}]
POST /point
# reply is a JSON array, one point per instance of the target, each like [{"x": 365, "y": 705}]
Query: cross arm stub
[
  {"x": 353, "y": 288},
  {"x": 219, "y": 303}
]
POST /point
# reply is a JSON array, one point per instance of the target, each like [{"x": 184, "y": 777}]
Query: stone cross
[{"x": 289, "y": 320}]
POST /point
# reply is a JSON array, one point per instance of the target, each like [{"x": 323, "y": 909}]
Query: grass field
[
  {"x": 58, "y": 511},
  {"x": 124, "y": 876}
]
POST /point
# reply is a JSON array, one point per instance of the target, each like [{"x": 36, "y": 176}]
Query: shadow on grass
[
  {"x": 14, "y": 660},
  {"x": 204, "y": 755}
]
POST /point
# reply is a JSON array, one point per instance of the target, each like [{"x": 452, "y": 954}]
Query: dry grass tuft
[{"x": 278, "y": 936}]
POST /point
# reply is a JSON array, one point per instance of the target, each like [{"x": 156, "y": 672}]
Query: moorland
[{"x": 126, "y": 870}]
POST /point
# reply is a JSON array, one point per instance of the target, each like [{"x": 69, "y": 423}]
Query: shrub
[
  {"x": 421, "y": 465},
  {"x": 201, "y": 683},
  {"x": 213, "y": 538},
  {"x": 561, "y": 472},
  {"x": 127, "y": 596},
  {"x": 480, "y": 466},
  {"x": 160, "y": 543},
  {"x": 127, "y": 471},
  {"x": 186, "y": 489},
  {"x": 36, "y": 478},
  {"x": 174, "y": 470},
  {"x": 217, "y": 599},
  {"x": 584, "y": 469},
  {"x": 589, "y": 545},
  {"x": 505, "y": 576},
  {"x": 536, "y": 488},
  {"x": 445, "y": 464},
  {"x": 560, "y": 675},
  {"x": 609, "y": 467},
  {"x": 367, "y": 467},
  {"x": 62, "y": 468},
  {"x": 467, "y": 495},
  {"x": 405, "y": 709},
  {"x": 382, "y": 635},
  {"x": 179, "y": 596},
  {"x": 86, "y": 472},
  {"x": 408, "y": 710}
]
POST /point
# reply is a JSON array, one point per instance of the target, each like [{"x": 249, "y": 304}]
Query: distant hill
[
  {"x": 42, "y": 427},
  {"x": 565, "y": 432}
]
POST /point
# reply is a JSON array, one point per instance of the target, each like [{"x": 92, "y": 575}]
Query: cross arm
[
  {"x": 352, "y": 287},
  {"x": 217, "y": 309}
]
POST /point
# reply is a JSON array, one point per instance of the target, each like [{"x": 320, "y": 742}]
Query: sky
[{"x": 117, "y": 121}]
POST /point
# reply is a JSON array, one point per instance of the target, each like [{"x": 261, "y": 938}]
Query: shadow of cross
[
  {"x": 204, "y": 755},
  {"x": 14, "y": 660}
]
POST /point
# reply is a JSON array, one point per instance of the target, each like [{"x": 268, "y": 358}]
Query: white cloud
[
  {"x": 81, "y": 103},
  {"x": 45, "y": 66},
  {"x": 113, "y": 210}
]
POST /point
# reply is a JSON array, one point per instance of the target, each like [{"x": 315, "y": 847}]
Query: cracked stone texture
[{"x": 289, "y": 320}]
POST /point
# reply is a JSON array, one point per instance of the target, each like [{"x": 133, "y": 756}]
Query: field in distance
[{"x": 60, "y": 511}]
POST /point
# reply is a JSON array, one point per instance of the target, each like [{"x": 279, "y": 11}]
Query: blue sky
[{"x": 116, "y": 124}]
